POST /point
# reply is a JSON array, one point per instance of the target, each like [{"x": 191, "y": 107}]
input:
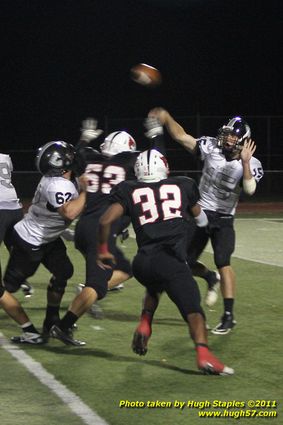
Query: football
[{"x": 146, "y": 75}]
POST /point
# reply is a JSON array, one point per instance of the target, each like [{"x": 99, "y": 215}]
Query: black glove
[{"x": 124, "y": 235}]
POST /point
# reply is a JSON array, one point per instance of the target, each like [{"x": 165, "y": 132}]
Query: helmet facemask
[
  {"x": 231, "y": 137},
  {"x": 55, "y": 158}
]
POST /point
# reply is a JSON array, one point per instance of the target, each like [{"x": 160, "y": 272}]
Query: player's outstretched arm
[
  {"x": 175, "y": 130},
  {"x": 154, "y": 132}
]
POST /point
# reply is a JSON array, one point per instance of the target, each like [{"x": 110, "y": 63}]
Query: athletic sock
[
  {"x": 68, "y": 321},
  {"x": 28, "y": 327},
  {"x": 228, "y": 305},
  {"x": 51, "y": 316}
]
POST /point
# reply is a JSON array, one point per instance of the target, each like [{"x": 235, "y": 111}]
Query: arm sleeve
[{"x": 158, "y": 143}]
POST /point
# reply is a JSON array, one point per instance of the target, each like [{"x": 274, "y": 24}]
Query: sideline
[{"x": 75, "y": 404}]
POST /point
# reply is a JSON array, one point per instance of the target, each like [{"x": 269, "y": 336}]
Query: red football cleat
[{"x": 210, "y": 364}]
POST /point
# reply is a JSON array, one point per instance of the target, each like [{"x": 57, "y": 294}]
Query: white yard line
[{"x": 75, "y": 404}]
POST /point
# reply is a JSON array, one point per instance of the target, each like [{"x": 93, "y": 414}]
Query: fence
[{"x": 267, "y": 131}]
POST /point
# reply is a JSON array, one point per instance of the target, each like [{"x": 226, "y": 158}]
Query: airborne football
[{"x": 146, "y": 75}]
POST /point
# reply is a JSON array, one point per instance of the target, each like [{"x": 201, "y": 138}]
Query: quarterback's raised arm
[{"x": 175, "y": 130}]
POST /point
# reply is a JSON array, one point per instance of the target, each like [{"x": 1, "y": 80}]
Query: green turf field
[{"x": 105, "y": 373}]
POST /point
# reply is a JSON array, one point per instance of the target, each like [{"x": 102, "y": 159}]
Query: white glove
[
  {"x": 153, "y": 126},
  {"x": 89, "y": 130}
]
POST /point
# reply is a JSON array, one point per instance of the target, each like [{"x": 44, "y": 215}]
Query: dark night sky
[{"x": 65, "y": 60}]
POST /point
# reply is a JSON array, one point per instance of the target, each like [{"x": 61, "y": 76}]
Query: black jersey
[
  {"x": 159, "y": 211},
  {"x": 103, "y": 173}
]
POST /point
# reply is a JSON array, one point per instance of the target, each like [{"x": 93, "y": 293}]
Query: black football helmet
[
  {"x": 55, "y": 158},
  {"x": 236, "y": 127}
]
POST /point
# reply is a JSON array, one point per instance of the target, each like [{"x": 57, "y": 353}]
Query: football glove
[
  {"x": 89, "y": 130},
  {"x": 124, "y": 235},
  {"x": 153, "y": 126}
]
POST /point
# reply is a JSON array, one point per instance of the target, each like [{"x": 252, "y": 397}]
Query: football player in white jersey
[
  {"x": 11, "y": 210},
  {"x": 13, "y": 308},
  {"x": 229, "y": 167},
  {"x": 36, "y": 238}
]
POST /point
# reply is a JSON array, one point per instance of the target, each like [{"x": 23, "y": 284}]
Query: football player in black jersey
[
  {"x": 158, "y": 206},
  {"x": 103, "y": 171}
]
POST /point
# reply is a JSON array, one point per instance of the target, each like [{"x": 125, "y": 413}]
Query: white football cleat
[
  {"x": 117, "y": 287},
  {"x": 28, "y": 338},
  {"x": 96, "y": 311},
  {"x": 79, "y": 288}
]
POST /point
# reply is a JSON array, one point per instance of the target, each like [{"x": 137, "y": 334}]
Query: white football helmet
[
  {"x": 151, "y": 166},
  {"x": 119, "y": 141}
]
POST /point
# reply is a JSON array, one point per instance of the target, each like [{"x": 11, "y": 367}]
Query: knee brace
[
  {"x": 13, "y": 280},
  {"x": 57, "y": 285},
  {"x": 58, "y": 281}
]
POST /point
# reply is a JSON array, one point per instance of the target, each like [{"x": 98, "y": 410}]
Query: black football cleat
[
  {"x": 27, "y": 289},
  {"x": 65, "y": 337},
  {"x": 139, "y": 343},
  {"x": 225, "y": 326}
]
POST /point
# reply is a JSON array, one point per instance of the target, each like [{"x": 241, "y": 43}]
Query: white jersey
[
  {"x": 220, "y": 184},
  {"x": 43, "y": 223},
  {"x": 8, "y": 195}
]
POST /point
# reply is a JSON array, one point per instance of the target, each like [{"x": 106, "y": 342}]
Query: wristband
[{"x": 103, "y": 248}]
